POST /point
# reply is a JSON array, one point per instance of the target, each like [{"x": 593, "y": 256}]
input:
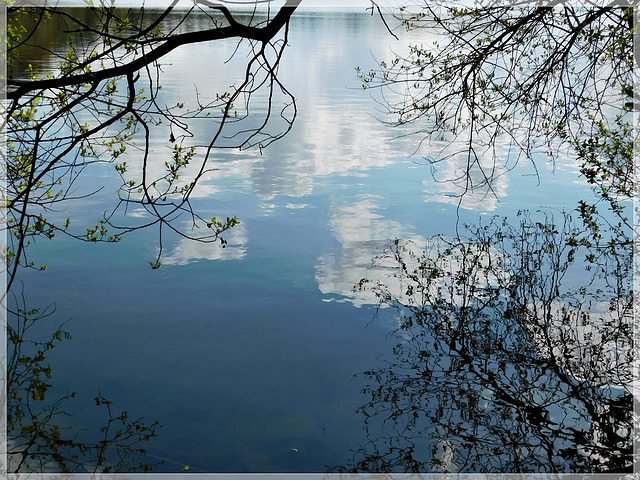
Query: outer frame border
[
  {"x": 319, "y": 476},
  {"x": 3, "y": 242}
]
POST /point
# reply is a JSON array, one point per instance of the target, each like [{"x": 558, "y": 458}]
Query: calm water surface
[{"x": 247, "y": 355}]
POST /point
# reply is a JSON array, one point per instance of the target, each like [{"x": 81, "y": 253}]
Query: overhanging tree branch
[
  {"x": 235, "y": 30},
  {"x": 80, "y": 117}
]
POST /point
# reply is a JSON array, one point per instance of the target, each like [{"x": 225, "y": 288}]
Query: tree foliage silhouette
[
  {"x": 515, "y": 342},
  {"x": 101, "y": 102},
  {"x": 548, "y": 78}
]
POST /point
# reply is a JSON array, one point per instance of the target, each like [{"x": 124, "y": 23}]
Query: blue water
[{"x": 246, "y": 353}]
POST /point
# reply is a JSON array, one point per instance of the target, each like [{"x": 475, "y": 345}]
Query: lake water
[{"x": 250, "y": 356}]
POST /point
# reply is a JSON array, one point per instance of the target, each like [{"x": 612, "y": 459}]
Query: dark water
[{"x": 250, "y": 357}]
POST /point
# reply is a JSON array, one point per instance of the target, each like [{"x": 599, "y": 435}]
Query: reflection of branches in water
[
  {"x": 501, "y": 368},
  {"x": 39, "y": 436}
]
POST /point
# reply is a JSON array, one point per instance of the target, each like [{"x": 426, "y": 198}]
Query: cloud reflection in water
[
  {"x": 364, "y": 234},
  {"x": 187, "y": 251}
]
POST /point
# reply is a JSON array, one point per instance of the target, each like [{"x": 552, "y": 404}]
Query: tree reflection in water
[
  {"x": 40, "y": 436},
  {"x": 514, "y": 354}
]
